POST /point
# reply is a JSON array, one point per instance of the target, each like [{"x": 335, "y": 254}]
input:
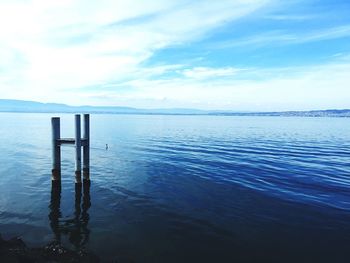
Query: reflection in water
[
  {"x": 75, "y": 228},
  {"x": 55, "y": 212}
]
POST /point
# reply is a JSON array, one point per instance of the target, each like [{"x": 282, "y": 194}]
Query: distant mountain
[
  {"x": 32, "y": 106},
  {"x": 37, "y": 107}
]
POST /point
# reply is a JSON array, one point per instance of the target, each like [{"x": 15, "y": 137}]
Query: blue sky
[{"x": 251, "y": 55}]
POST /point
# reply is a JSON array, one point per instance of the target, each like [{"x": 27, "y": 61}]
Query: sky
[{"x": 241, "y": 55}]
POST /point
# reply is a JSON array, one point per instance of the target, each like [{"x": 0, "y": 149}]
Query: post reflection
[
  {"x": 76, "y": 227},
  {"x": 55, "y": 211}
]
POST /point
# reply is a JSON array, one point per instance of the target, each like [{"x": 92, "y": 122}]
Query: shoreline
[{"x": 15, "y": 250}]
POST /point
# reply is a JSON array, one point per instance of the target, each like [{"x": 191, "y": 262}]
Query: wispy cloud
[
  {"x": 290, "y": 88},
  {"x": 278, "y": 37},
  {"x": 292, "y": 17},
  {"x": 72, "y": 44},
  {"x": 205, "y": 72},
  {"x": 125, "y": 53}
]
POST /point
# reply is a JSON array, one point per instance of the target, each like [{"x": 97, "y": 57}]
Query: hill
[{"x": 38, "y": 107}]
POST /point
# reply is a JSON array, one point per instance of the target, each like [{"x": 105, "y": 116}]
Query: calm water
[{"x": 184, "y": 188}]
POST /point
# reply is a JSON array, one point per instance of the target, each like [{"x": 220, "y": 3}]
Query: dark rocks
[{"x": 16, "y": 251}]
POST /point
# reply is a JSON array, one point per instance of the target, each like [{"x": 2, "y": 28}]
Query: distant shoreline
[
  {"x": 19, "y": 106},
  {"x": 257, "y": 114}
]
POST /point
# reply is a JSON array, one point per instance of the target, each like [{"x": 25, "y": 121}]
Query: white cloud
[
  {"x": 278, "y": 37},
  {"x": 54, "y": 46},
  {"x": 205, "y": 72},
  {"x": 81, "y": 52},
  {"x": 295, "y": 88},
  {"x": 292, "y": 17}
]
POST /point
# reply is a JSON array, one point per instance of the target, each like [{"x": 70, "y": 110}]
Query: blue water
[{"x": 184, "y": 188}]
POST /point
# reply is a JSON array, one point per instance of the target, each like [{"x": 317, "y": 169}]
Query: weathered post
[
  {"x": 86, "y": 148},
  {"x": 77, "y": 149},
  {"x": 79, "y": 142},
  {"x": 56, "y": 151}
]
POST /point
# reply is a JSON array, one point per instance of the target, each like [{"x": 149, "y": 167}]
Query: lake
[{"x": 183, "y": 188}]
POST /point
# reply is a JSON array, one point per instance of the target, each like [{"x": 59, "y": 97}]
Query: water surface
[{"x": 183, "y": 188}]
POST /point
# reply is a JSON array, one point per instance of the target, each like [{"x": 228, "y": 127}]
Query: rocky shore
[{"x": 16, "y": 251}]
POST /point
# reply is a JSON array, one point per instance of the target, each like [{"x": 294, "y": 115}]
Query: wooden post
[
  {"x": 86, "y": 148},
  {"x": 77, "y": 149},
  {"x": 56, "y": 151},
  {"x": 79, "y": 142}
]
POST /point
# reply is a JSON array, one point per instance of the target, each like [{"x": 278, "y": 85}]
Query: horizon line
[{"x": 193, "y": 109}]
